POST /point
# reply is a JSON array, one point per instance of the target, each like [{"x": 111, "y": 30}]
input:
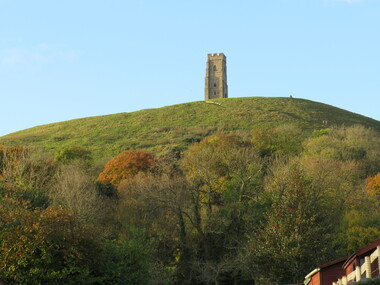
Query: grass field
[{"x": 163, "y": 129}]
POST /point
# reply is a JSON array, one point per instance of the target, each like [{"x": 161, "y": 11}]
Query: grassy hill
[{"x": 160, "y": 130}]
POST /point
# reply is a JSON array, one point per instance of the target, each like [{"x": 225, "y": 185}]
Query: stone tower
[{"x": 216, "y": 77}]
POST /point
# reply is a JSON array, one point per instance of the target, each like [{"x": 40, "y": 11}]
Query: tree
[
  {"x": 128, "y": 262},
  {"x": 126, "y": 165},
  {"x": 159, "y": 204},
  {"x": 73, "y": 153},
  {"x": 373, "y": 185},
  {"x": 23, "y": 174},
  {"x": 295, "y": 237},
  {"x": 44, "y": 246},
  {"x": 359, "y": 227},
  {"x": 226, "y": 174},
  {"x": 356, "y": 143},
  {"x": 198, "y": 219},
  {"x": 284, "y": 140},
  {"x": 10, "y": 154},
  {"x": 213, "y": 162},
  {"x": 77, "y": 193},
  {"x": 339, "y": 160}
]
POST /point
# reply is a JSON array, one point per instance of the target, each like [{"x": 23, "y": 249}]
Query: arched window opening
[{"x": 214, "y": 67}]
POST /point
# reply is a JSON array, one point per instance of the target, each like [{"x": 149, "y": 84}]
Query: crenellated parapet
[{"x": 216, "y": 55}]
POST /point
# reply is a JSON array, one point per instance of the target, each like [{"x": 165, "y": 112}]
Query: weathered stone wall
[{"x": 216, "y": 77}]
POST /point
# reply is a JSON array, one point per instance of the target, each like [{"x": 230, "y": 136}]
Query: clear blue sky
[{"x": 62, "y": 60}]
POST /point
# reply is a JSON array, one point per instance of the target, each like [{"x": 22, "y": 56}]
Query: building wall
[
  {"x": 216, "y": 77},
  {"x": 329, "y": 274},
  {"x": 350, "y": 267},
  {"x": 359, "y": 261},
  {"x": 315, "y": 279}
]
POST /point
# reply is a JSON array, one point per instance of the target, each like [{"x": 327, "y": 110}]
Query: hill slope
[{"x": 159, "y": 130}]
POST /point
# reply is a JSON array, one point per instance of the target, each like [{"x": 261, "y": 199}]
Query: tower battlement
[
  {"x": 216, "y": 76},
  {"x": 215, "y": 55}
]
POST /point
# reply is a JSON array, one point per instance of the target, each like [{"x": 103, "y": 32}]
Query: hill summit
[{"x": 163, "y": 129}]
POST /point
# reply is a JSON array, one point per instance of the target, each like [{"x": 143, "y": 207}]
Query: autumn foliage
[
  {"x": 264, "y": 207},
  {"x": 373, "y": 185},
  {"x": 43, "y": 246},
  {"x": 10, "y": 154},
  {"x": 126, "y": 165}
]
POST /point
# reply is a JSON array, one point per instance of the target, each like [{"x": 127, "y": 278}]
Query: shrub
[
  {"x": 127, "y": 262},
  {"x": 44, "y": 246},
  {"x": 126, "y": 165},
  {"x": 72, "y": 153}
]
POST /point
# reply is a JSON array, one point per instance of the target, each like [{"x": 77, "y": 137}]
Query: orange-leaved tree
[
  {"x": 126, "y": 165},
  {"x": 373, "y": 185}
]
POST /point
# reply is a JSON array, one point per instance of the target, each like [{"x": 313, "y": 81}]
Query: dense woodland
[{"x": 266, "y": 206}]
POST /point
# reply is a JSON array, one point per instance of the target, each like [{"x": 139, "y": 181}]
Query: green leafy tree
[
  {"x": 358, "y": 228},
  {"x": 73, "y": 153},
  {"x": 226, "y": 174},
  {"x": 356, "y": 143},
  {"x": 294, "y": 239},
  {"x": 215, "y": 161},
  {"x": 339, "y": 160},
  {"x": 159, "y": 204},
  {"x": 284, "y": 140},
  {"x": 128, "y": 262}
]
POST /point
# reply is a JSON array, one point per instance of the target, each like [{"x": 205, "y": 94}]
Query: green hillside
[{"x": 160, "y": 130}]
